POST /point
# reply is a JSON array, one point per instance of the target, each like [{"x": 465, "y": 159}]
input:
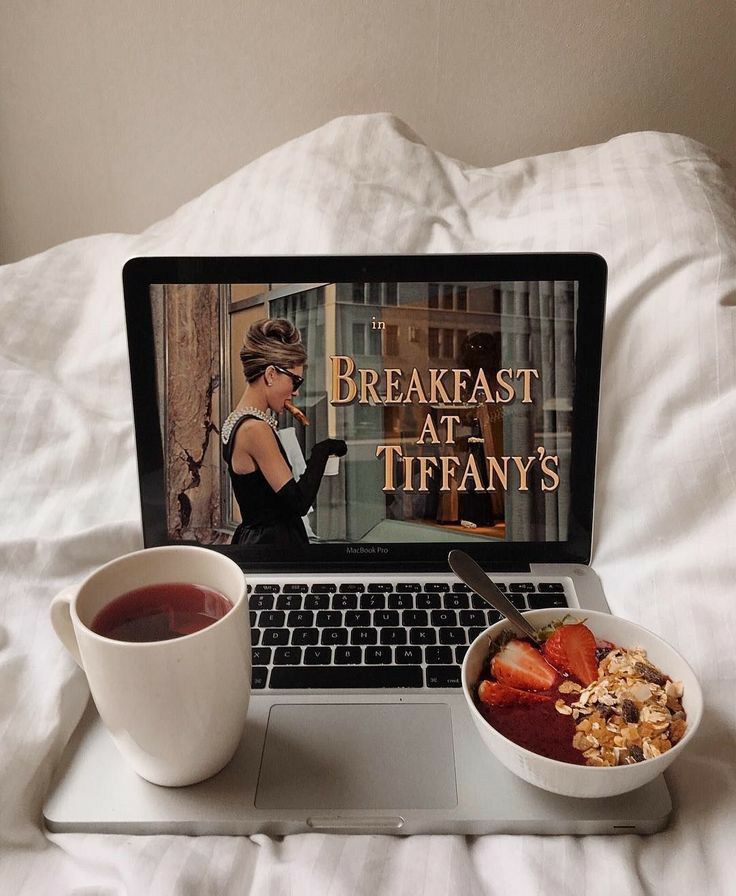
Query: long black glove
[{"x": 298, "y": 497}]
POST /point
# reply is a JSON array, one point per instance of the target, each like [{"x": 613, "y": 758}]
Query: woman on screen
[{"x": 271, "y": 502}]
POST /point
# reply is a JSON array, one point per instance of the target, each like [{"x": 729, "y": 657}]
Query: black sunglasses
[{"x": 295, "y": 378}]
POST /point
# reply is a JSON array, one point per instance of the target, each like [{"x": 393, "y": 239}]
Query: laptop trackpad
[{"x": 358, "y": 756}]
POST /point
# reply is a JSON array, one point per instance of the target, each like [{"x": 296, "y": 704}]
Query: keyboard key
[
  {"x": 287, "y": 656},
  {"x": 401, "y": 601},
  {"x": 453, "y": 636},
  {"x": 344, "y": 601},
  {"x": 443, "y": 677},
  {"x": 550, "y": 586},
  {"x": 329, "y": 618},
  {"x": 438, "y": 656},
  {"x": 428, "y": 601},
  {"x": 261, "y": 656},
  {"x": 363, "y": 636},
  {"x": 454, "y": 601},
  {"x": 275, "y": 636},
  {"x": 380, "y": 588},
  {"x": 493, "y": 616},
  {"x": 302, "y": 636},
  {"x": 517, "y": 600},
  {"x": 253, "y": 619},
  {"x": 521, "y": 586},
  {"x": 372, "y": 601},
  {"x": 393, "y": 636},
  {"x": 477, "y": 602},
  {"x": 472, "y": 617},
  {"x": 474, "y": 632},
  {"x": 258, "y": 677},
  {"x": 272, "y": 619},
  {"x": 460, "y": 586},
  {"x": 267, "y": 589},
  {"x": 408, "y": 655},
  {"x": 289, "y": 602},
  {"x": 378, "y": 655},
  {"x": 317, "y": 656},
  {"x": 261, "y": 601},
  {"x": 345, "y": 656},
  {"x": 300, "y": 619},
  {"x": 324, "y": 588},
  {"x": 460, "y": 652},
  {"x": 437, "y": 586},
  {"x": 357, "y": 617},
  {"x": 541, "y": 601},
  {"x": 444, "y": 617},
  {"x": 255, "y": 636},
  {"x": 347, "y": 677},
  {"x": 499, "y": 585},
  {"x": 317, "y": 602},
  {"x": 405, "y": 587},
  {"x": 352, "y": 588},
  {"x": 334, "y": 636},
  {"x": 386, "y": 617},
  {"x": 422, "y": 636},
  {"x": 410, "y": 618},
  {"x": 295, "y": 589}
]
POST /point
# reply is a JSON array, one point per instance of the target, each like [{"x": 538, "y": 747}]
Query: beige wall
[{"x": 113, "y": 114}]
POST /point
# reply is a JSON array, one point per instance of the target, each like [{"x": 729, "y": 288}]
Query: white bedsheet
[{"x": 660, "y": 209}]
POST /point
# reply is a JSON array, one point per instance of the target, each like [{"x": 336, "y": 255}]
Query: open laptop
[{"x": 466, "y": 389}]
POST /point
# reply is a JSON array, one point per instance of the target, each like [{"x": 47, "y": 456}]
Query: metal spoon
[{"x": 468, "y": 571}]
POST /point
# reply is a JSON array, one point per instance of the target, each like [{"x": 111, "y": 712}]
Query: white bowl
[{"x": 564, "y": 777}]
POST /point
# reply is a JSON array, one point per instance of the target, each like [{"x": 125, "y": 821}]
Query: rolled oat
[{"x": 643, "y": 711}]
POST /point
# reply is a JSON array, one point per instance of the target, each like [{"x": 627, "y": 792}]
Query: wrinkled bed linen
[{"x": 661, "y": 209}]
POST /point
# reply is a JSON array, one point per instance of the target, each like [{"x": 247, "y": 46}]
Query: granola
[{"x": 631, "y": 712}]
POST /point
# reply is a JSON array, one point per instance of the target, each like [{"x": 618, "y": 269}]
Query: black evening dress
[{"x": 266, "y": 521}]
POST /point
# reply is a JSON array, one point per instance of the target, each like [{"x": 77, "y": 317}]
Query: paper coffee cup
[{"x": 332, "y": 467}]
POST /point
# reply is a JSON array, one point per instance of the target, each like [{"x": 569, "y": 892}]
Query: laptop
[{"x": 466, "y": 390}]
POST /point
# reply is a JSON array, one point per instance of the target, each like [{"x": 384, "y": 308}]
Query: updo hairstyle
[{"x": 271, "y": 341}]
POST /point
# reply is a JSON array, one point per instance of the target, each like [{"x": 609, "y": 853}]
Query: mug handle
[{"x": 61, "y": 620}]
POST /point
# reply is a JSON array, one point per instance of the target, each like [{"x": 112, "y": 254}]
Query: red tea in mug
[{"x": 160, "y": 612}]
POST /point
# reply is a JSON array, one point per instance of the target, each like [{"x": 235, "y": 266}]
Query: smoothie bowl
[{"x": 602, "y": 707}]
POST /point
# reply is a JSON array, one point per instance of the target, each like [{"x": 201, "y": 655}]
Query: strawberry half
[
  {"x": 571, "y": 649},
  {"x": 519, "y": 665},
  {"x": 494, "y": 694}
]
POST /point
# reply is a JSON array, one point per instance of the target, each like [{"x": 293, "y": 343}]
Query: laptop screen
[{"x": 454, "y": 396}]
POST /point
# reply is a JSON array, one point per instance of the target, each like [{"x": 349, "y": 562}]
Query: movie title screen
[{"x": 366, "y": 413}]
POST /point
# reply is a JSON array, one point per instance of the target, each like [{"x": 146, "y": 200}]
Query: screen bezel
[{"x": 588, "y": 269}]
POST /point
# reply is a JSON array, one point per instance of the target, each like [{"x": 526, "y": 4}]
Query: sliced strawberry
[
  {"x": 520, "y": 665},
  {"x": 571, "y": 649},
  {"x": 494, "y": 694}
]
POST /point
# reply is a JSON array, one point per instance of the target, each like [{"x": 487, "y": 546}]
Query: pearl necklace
[{"x": 267, "y": 417}]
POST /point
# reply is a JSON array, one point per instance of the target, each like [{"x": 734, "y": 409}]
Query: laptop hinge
[{"x": 506, "y": 567}]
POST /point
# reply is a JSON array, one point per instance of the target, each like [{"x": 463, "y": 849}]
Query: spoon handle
[{"x": 468, "y": 571}]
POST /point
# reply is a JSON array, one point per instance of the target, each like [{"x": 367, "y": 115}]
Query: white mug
[{"x": 176, "y": 709}]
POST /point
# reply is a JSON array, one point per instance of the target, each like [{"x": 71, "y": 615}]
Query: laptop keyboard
[{"x": 407, "y": 634}]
